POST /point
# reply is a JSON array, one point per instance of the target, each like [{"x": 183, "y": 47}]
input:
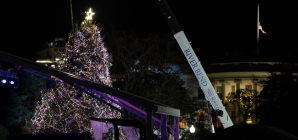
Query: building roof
[{"x": 246, "y": 62}]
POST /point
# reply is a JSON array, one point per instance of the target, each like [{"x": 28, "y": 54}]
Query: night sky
[{"x": 221, "y": 26}]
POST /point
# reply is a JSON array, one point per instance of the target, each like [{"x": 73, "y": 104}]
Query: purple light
[
  {"x": 130, "y": 133},
  {"x": 99, "y": 128}
]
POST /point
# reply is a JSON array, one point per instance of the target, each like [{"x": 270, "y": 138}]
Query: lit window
[
  {"x": 248, "y": 87},
  {"x": 233, "y": 89}
]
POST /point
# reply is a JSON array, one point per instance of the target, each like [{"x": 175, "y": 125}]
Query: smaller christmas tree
[{"x": 65, "y": 108}]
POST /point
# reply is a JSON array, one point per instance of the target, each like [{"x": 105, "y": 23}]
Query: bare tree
[{"x": 147, "y": 65}]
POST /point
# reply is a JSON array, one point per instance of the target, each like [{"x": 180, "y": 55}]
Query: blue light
[{"x": 3, "y": 81}]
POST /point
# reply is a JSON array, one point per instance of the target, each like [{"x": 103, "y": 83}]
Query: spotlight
[
  {"x": 10, "y": 76},
  {"x": 11, "y": 82},
  {"x": 14, "y": 83}
]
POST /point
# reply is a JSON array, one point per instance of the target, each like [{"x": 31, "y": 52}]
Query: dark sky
[{"x": 209, "y": 26}]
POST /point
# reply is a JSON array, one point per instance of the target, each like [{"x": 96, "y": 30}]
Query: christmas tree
[{"x": 65, "y": 108}]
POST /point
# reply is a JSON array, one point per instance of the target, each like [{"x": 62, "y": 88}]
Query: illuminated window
[
  {"x": 233, "y": 88},
  {"x": 219, "y": 91},
  {"x": 201, "y": 118},
  {"x": 182, "y": 123},
  {"x": 248, "y": 87}
]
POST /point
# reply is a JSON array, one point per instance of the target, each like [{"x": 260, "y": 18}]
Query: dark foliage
[
  {"x": 277, "y": 101},
  {"x": 17, "y": 105},
  {"x": 147, "y": 65}
]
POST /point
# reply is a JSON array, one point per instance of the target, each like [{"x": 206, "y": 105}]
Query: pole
[
  {"x": 258, "y": 31},
  {"x": 71, "y": 14},
  {"x": 210, "y": 118},
  {"x": 195, "y": 64}
]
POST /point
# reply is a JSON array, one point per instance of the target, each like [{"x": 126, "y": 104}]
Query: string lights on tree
[{"x": 65, "y": 109}]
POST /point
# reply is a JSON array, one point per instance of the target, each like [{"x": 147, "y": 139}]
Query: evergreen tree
[
  {"x": 64, "y": 108},
  {"x": 22, "y": 101},
  {"x": 276, "y": 102}
]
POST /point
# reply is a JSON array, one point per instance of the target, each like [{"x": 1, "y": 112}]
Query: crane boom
[{"x": 195, "y": 64}]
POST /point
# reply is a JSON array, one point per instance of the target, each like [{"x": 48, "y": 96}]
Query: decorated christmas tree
[{"x": 65, "y": 108}]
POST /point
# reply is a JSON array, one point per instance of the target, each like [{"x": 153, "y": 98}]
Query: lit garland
[{"x": 59, "y": 109}]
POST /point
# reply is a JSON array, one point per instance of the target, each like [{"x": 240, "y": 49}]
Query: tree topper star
[{"x": 89, "y": 15}]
